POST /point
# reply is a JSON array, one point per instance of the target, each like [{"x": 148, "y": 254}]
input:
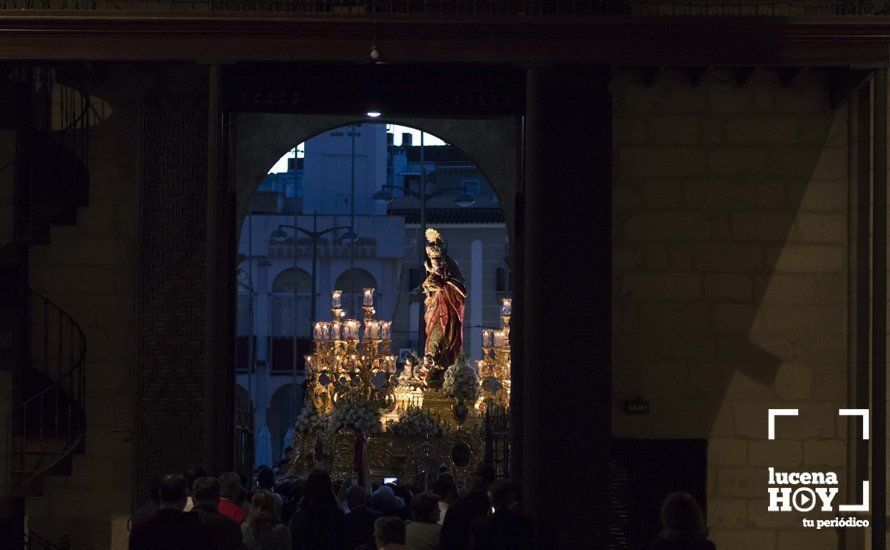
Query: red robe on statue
[{"x": 444, "y": 314}]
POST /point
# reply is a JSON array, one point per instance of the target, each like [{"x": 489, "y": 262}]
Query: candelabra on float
[
  {"x": 494, "y": 367},
  {"x": 351, "y": 359}
]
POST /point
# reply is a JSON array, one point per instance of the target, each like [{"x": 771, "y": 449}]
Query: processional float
[{"x": 364, "y": 419}]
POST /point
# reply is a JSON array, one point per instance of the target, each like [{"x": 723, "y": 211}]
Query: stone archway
[{"x": 263, "y": 138}]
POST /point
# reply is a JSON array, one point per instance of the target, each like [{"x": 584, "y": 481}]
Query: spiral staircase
[{"x": 41, "y": 346}]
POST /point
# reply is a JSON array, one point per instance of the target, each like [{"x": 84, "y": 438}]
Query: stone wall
[
  {"x": 90, "y": 271},
  {"x": 730, "y": 255},
  {"x": 7, "y": 184}
]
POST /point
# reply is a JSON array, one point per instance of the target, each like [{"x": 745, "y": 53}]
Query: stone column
[
  {"x": 220, "y": 329},
  {"x": 261, "y": 312},
  {"x": 171, "y": 390},
  {"x": 564, "y": 362}
]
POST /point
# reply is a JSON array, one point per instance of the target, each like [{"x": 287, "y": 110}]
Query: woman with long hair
[
  {"x": 683, "y": 525},
  {"x": 263, "y": 530},
  {"x": 319, "y": 522}
]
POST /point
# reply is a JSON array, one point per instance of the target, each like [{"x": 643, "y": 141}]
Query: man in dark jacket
[
  {"x": 455, "y": 534},
  {"x": 170, "y": 528},
  {"x": 505, "y": 529},
  {"x": 225, "y": 532},
  {"x": 360, "y": 519}
]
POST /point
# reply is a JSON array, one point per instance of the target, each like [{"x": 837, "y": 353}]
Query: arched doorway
[
  {"x": 345, "y": 209},
  {"x": 285, "y": 404}
]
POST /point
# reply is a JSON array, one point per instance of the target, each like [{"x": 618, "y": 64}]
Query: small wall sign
[{"x": 636, "y": 407}]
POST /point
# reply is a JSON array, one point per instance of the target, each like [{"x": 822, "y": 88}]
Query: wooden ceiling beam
[{"x": 603, "y": 40}]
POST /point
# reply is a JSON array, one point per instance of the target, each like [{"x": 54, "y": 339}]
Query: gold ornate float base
[{"x": 414, "y": 460}]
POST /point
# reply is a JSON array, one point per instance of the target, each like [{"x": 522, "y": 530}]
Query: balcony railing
[{"x": 470, "y": 8}]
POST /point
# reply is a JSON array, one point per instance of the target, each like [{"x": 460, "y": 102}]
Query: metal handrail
[
  {"x": 69, "y": 374},
  {"x": 33, "y": 541},
  {"x": 48, "y": 424},
  {"x": 66, "y": 388}
]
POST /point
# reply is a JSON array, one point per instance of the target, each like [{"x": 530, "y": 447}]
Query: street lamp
[
  {"x": 349, "y": 237},
  {"x": 279, "y": 235}
]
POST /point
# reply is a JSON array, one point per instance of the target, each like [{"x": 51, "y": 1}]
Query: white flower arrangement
[
  {"x": 310, "y": 420},
  {"x": 356, "y": 414},
  {"x": 417, "y": 422},
  {"x": 461, "y": 380}
]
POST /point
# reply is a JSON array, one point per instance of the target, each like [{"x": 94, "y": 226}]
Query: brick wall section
[
  {"x": 90, "y": 270},
  {"x": 730, "y": 247}
]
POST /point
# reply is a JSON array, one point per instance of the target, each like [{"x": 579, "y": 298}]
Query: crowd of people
[{"x": 194, "y": 510}]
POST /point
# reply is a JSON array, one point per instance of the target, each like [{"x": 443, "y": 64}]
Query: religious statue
[{"x": 445, "y": 292}]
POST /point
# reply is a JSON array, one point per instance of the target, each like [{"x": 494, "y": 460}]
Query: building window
[
  {"x": 283, "y": 303},
  {"x": 283, "y": 353}
]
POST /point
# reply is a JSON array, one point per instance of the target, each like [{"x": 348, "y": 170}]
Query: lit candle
[
  {"x": 386, "y": 330},
  {"x": 335, "y": 298},
  {"x": 369, "y": 297},
  {"x": 498, "y": 338},
  {"x": 486, "y": 338},
  {"x": 507, "y": 306},
  {"x": 352, "y": 327},
  {"x": 317, "y": 332},
  {"x": 335, "y": 330},
  {"x": 325, "y": 331}
]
